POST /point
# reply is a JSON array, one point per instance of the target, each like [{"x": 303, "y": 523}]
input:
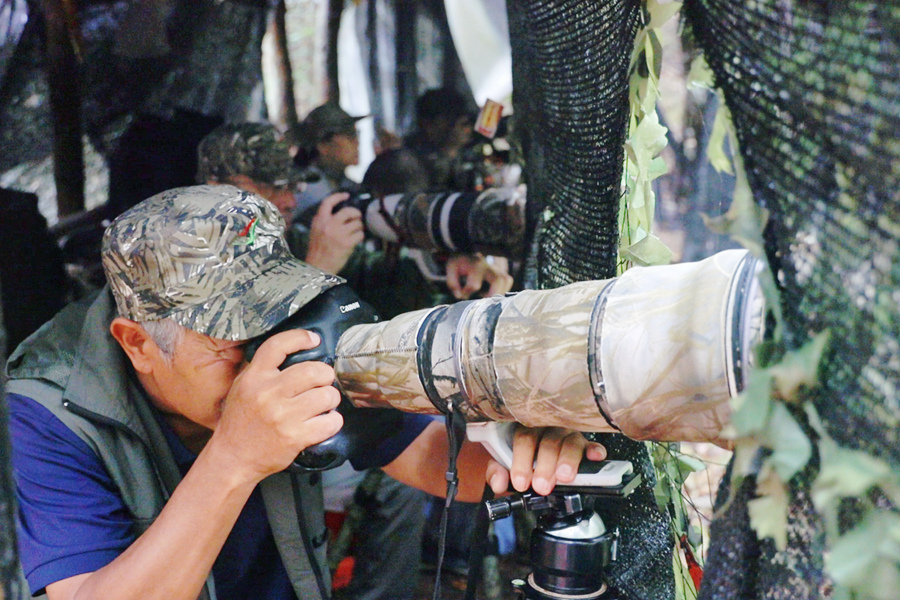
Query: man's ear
[{"x": 137, "y": 344}]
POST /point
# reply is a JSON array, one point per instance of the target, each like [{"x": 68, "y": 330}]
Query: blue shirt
[{"x": 72, "y": 519}]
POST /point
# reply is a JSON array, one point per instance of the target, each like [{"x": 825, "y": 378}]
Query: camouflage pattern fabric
[
  {"x": 213, "y": 258},
  {"x": 256, "y": 150}
]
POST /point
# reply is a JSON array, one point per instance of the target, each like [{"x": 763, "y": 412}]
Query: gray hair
[{"x": 166, "y": 333}]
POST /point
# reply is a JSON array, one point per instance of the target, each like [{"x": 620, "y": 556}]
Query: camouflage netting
[
  {"x": 813, "y": 87},
  {"x": 570, "y": 73},
  {"x": 210, "y": 67},
  {"x": 814, "y": 93}
]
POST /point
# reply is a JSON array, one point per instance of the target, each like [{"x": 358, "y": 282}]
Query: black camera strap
[
  {"x": 389, "y": 219},
  {"x": 456, "y": 435}
]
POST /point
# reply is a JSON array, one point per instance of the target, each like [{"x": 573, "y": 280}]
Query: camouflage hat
[
  {"x": 257, "y": 150},
  {"x": 327, "y": 120},
  {"x": 211, "y": 257}
]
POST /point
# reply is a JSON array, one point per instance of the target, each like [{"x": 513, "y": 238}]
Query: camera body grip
[{"x": 330, "y": 314}]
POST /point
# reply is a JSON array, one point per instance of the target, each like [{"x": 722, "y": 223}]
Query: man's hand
[
  {"x": 270, "y": 415},
  {"x": 467, "y": 272},
  {"x": 542, "y": 458},
  {"x": 333, "y": 237}
]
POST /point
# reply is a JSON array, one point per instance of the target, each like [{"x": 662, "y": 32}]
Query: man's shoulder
[{"x": 53, "y": 346}]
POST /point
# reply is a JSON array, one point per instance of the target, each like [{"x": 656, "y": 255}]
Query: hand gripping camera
[
  {"x": 330, "y": 314},
  {"x": 491, "y": 222}
]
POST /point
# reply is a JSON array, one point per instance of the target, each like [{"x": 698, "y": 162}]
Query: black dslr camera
[
  {"x": 359, "y": 199},
  {"x": 330, "y": 314}
]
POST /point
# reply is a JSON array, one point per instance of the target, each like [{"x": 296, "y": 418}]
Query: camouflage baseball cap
[
  {"x": 257, "y": 150},
  {"x": 327, "y": 120},
  {"x": 211, "y": 257}
]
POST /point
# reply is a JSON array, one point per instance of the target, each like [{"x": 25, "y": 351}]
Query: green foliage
[
  {"x": 647, "y": 138},
  {"x": 864, "y": 560},
  {"x": 768, "y": 512},
  {"x": 672, "y": 469}
]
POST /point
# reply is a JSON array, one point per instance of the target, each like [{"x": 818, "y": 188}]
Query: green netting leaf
[
  {"x": 799, "y": 367},
  {"x": 752, "y": 407},
  {"x": 700, "y": 75},
  {"x": 715, "y": 149},
  {"x": 791, "y": 448},
  {"x": 866, "y": 557},
  {"x": 658, "y": 168},
  {"x": 660, "y": 13},
  {"x": 690, "y": 463},
  {"x": 650, "y": 250},
  {"x": 846, "y": 473},
  {"x": 647, "y": 141},
  {"x": 654, "y": 55},
  {"x": 768, "y": 513}
]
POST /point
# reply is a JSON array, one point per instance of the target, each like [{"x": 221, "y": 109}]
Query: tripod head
[{"x": 570, "y": 546}]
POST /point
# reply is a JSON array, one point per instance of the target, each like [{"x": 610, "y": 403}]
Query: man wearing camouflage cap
[
  {"x": 251, "y": 156},
  {"x": 255, "y": 157},
  {"x": 328, "y": 143},
  {"x": 149, "y": 456}
]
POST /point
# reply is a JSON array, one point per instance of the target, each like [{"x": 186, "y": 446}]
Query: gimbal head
[{"x": 570, "y": 547}]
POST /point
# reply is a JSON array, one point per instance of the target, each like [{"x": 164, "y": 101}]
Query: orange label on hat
[{"x": 489, "y": 119}]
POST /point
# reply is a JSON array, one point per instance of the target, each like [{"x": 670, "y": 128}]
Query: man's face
[
  {"x": 193, "y": 384},
  {"x": 461, "y": 133},
  {"x": 341, "y": 150},
  {"x": 281, "y": 196}
]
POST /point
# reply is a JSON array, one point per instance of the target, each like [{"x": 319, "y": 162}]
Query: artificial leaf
[
  {"x": 647, "y": 141},
  {"x": 642, "y": 197},
  {"x": 690, "y": 463},
  {"x": 715, "y": 148},
  {"x": 799, "y": 367},
  {"x": 660, "y": 13},
  {"x": 650, "y": 94},
  {"x": 791, "y": 448},
  {"x": 768, "y": 512},
  {"x": 654, "y": 55},
  {"x": 700, "y": 75},
  {"x": 846, "y": 473},
  {"x": 650, "y": 250},
  {"x": 639, "y": 40},
  {"x": 745, "y": 459},
  {"x": 865, "y": 550},
  {"x": 751, "y": 408},
  {"x": 658, "y": 168}
]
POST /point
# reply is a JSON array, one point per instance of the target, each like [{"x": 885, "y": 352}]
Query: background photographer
[
  {"x": 256, "y": 157},
  {"x": 328, "y": 143},
  {"x": 150, "y": 457},
  {"x": 442, "y": 141}
]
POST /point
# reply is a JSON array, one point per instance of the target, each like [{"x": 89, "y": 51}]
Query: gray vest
[{"x": 75, "y": 368}]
